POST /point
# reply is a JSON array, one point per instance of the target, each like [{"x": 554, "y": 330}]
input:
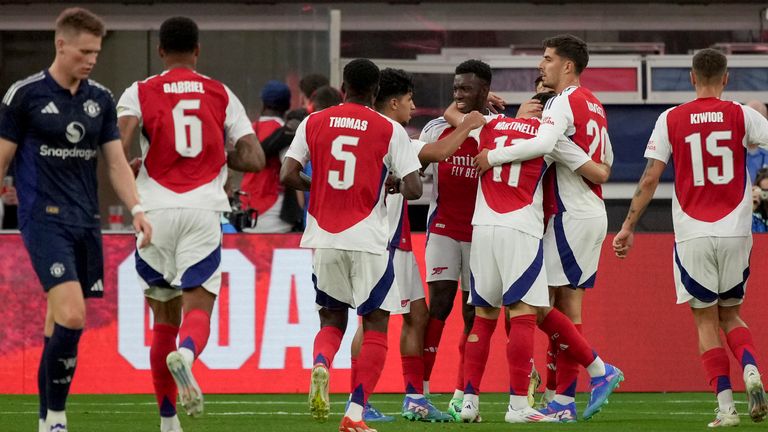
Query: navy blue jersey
[{"x": 58, "y": 136}]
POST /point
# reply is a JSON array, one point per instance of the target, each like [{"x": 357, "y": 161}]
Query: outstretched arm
[
  {"x": 622, "y": 243},
  {"x": 444, "y": 148}
]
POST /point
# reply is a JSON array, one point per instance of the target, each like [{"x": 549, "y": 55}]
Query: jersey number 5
[
  {"x": 343, "y": 180},
  {"x": 181, "y": 121},
  {"x": 724, "y": 153},
  {"x": 514, "y": 168}
]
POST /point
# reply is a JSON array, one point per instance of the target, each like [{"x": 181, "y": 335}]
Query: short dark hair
[
  {"x": 544, "y": 97},
  {"x": 393, "y": 83},
  {"x": 361, "y": 76},
  {"x": 179, "y": 35},
  {"x": 570, "y": 47},
  {"x": 310, "y": 83},
  {"x": 77, "y": 20},
  {"x": 477, "y": 67},
  {"x": 325, "y": 97},
  {"x": 709, "y": 65}
]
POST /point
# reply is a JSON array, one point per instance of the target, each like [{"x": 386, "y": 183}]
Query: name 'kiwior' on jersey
[
  {"x": 58, "y": 136},
  {"x": 352, "y": 148},
  {"x": 186, "y": 118},
  {"x": 707, "y": 139},
  {"x": 511, "y": 195}
]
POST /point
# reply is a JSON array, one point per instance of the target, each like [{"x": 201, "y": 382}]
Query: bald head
[{"x": 759, "y": 107}]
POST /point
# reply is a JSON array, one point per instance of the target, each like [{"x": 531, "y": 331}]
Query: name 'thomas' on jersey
[
  {"x": 186, "y": 120},
  {"x": 581, "y": 116},
  {"x": 707, "y": 139},
  {"x": 352, "y": 148},
  {"x": 511, "y": 195}
]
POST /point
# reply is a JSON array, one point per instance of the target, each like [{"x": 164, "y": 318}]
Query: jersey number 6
[{"x": 181, "y": 121}]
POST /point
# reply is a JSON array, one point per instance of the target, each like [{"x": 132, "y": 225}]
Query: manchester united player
[
  {"x": 711, "y": 210},
  {"x": 575, "y": 232},
  {"x": 449, "y": 225},
  {"x": 352, "y": 148},
  {"x": 184, "y": 118}
]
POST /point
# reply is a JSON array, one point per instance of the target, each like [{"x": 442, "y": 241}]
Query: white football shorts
[
  {"x": 352, "y": 279},
  {"x": 408, "y": 281},
  {"x": 447, "y": 259},
  {"x": 572, "y": 249},
  {"x": 507, "y": 267},
  {"x": 185, "y": 253},
  {"x": 712, "y": 270}
]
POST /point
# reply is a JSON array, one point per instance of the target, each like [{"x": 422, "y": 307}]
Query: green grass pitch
[{"x": 266, "y": 413}]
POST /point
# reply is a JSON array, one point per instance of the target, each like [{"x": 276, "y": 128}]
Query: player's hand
[
  {"x": 481, "y": 162},
  {"x": 9, "y": 196},
  {"x": 473, "y": 120},
  {"x": 622, "y": 243},
  {"x": 135, "y": 165},
  {"x": 143, "y": 229},
  {"x": 529, "y": 109},
  {"x": 392, "y": 184},
  {"x": 496, "y": 103}
]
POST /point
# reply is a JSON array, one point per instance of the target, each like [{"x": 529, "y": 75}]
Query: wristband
[{"x": 137, "y": 209}]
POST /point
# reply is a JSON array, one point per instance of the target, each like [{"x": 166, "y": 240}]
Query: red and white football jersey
[
  {"x": 185, "y": 120},
  {"x": 454, "y": 185},
  {"x": 263, "y": 187},
  {"x": 352, "y": 148},
  {"x": 581, "y": 116},
  {"x": 510, "y": 195},
  {"x": 707, "y": 139}
]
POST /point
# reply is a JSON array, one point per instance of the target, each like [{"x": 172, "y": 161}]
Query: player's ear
[
  {"x": 725, "y": 79},
  {"x": 693, "y": 78}
]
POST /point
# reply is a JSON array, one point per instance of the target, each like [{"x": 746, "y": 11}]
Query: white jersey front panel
[{"x": 185, "y": 120}]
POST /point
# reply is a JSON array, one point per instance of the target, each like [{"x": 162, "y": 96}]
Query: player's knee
[
  {"x": 417, "y": 318},
  {"x": 71, "y": 317}
]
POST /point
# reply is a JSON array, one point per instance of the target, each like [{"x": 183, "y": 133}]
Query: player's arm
[
  {"x": 577, "y": 160},
  {"x": 248, "y": 155},
  {"x": 756, "y": 127},
  {"x": 121, "y": 177},
  {"x": 128, "y": 126},
  {"x": 296, "y": 158},
  {"x": 7, "y": 151},
  {"x": 410, "y": 186},
  {"x": 623, "y": 241},
  {"x": 454, "y": 117},
  {"x": 444, "y": 148}
]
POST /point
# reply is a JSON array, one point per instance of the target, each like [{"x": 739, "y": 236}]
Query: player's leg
[
  {"x": 550, "y": 386},
  {"x": 696, "y": 282},
  {"x": 67, "y": 304},
  {"x": 568, "y": 300},
  {"x": 42, "y": 381},
  {"x": 716, "y": 363},
  {"x": 742, "y": 346},
  {"x": 165, "y": 329}
]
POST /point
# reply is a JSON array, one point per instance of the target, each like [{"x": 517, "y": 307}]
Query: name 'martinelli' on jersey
[
  {"x": 183, "y": 87},
  {"x": 706, "y": 117},
  {"x": 525, "y": 128},
  {"x": 348, "y": 123}
]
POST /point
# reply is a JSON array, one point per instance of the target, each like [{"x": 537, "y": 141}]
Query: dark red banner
[{"x": 265, "y": 321}]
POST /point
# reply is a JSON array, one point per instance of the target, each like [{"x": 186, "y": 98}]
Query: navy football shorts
[{"x": 62, "y": 253}]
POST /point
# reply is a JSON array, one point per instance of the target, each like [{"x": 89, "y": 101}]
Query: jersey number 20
[{"x": 181, "y": 121}]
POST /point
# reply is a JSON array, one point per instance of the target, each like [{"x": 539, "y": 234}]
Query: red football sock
[
  {"x": 717, "y": 368},
  {"x": 163, "y": 343},
  {"x": 432, "y": 336},
  {"x": 194, "y": 331},
  {"x": 352, "y": 375},
  {"x": 742, "y": 346},
  {"x": 369, "y": 365},
  {"x": 327, "y": 343},
  {"x": 567, "y": 373},
  {"x": 552, "y": 349},
  {"x": 413, "y": 374},
  {"x": 476, "y": 356},
  {"x": 520, "y": 352},
  {"x": 562, "y": 330},
  {"x": 462, "y": 352}
]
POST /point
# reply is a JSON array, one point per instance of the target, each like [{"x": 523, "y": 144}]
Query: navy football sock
[
  {"x": 42, "y": 381},
  {"x": 61, "y": 359}
]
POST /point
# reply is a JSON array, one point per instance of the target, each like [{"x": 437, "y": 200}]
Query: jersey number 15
[{"x": 714, "y": 174}]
